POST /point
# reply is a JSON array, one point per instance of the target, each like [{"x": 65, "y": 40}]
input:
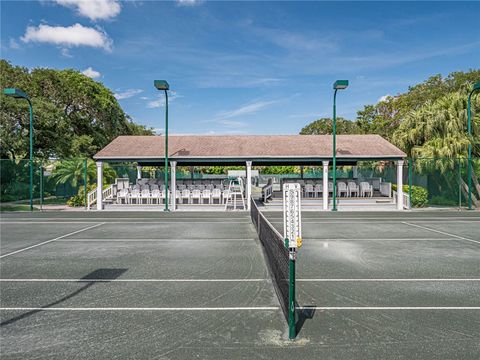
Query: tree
[
  {"x": 71, "y": 171},
  {"x": 324, "y": 126},
  {"x": 74, "y": 116}
]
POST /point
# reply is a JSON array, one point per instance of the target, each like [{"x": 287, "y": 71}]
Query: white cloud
[
  {"x": 93, "y": 74},
  {"x": 127, "y": 93},
  {"x": 246, "y": 109},
  {"x": 14, "y": 44},
  {"x": 93, "y": 9},
  {"x": 75, "y": 35},
  {"x": 160, "y": 101},
  {"x": 65, "y": 52},
  {"x": 232, "y": 123},
  {"x": 384, "y": 98},
  {"x": 188, "y": 2}
]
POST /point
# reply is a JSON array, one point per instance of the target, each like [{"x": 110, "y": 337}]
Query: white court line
[
  {"x": 159, "y": 222},
  {"x": 134, "y": 280},
  {"x": 388, "y": 307},
  {"x": 386, "y": 280},
  {"x": 306, "y": 239},
  {"x": 440, "y": 232},
  {"x": 48, "y": 241},
  {"x": 155, "y": 240},
  {"x": 238, "y": 308},
  {"x": 241, "y": 280},
  {"x": 47, "y": 222}
]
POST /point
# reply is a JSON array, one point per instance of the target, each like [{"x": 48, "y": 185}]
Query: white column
[
  {"x": 173, "y": 184},
  {"x": 325, "y": 185},
  {"x": 139, "y": 172},
  {"x": 99, "y": 185},
  {"x": 400, "y": 185},
  {"x": 249, "y": 183}
]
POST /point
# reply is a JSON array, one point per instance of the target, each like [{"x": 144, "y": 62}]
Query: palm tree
[{"x": 71, "y": 171}]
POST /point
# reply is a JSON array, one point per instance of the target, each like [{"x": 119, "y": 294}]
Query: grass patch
[{"x": 16, "y": 207}]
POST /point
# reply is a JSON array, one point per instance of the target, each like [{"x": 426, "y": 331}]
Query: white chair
[
  {"x": 209, "y": 187},
  {"x": 330, "y": 187},
  {"x": 366, "y": 189},
  {"x": 134, "y": 196},
  {"x": 225, "y": 195},
  {"x": 342, "y": 189},
  {"x": 353, "y": 189},
  {"x": 206, "y": 196},
  {"x": 182, "y": 187},
  {"x": 191, "y": 187},
  {"x": 318, "y": 190},
  {"x": 216, "y": 195},
  {"x": 308, "y": 190},
  {"x": 185, "y": 196},
  {"x": 200, "y": 187},
  {"x": 162, "y": 195},
  {"x": 144, "y": 187},
  {"x": 196, "y": 195},
  {"x": 145, "y": 196},
  {"x": 154, "y": 187},
  {"x": 122, "y": 196},
  {"x": 155, "y": 196}
]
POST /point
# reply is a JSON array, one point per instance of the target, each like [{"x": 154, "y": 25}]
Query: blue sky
[{"x": 244, "y": 67}]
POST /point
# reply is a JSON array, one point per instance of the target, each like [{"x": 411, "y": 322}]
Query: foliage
[
  {"x": 73, "y": 114},
  {"x": 324, "y": 126},
  {"x": 71, "y": 171},
  {"x": 79, "y": 199},
  {"x": 419, "y": 195}
]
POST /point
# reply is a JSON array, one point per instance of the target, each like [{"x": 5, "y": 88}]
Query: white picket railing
[
  {"x": 92, "y": 195},
  {"x": 406, "y": 199}
]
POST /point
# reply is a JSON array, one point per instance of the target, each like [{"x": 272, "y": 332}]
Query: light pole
[
  {"x": 19, "y": 94},
  {"x": 338, "y": 85},
  {"x": 163, "y": 85},
  {"x": 476, "y": 87}
]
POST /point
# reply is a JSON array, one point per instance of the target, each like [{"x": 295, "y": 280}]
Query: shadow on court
[
  {"x": 303, "y": 314},
  {"x": 105, "y": 275}
]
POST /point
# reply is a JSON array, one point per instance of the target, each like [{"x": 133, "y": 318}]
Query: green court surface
[{"x": 133, "y": 285}]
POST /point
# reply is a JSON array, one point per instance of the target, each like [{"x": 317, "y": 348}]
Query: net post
[
  {"x": 410, "y": 180},
  {"x": 292, "y": 333},
  {"x": 41, "y": 186}
]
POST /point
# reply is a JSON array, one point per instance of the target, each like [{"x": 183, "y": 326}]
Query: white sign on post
[{"x": 292, "y": 219}]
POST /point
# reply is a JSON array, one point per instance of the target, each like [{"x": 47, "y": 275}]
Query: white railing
[
  {"x": 92, "y": 195},
  {"x": 267, "y": 192},
  {"x": 406, "y": 199}
]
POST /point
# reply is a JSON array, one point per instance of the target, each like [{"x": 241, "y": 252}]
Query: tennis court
[{"x": 196, "y": 285}]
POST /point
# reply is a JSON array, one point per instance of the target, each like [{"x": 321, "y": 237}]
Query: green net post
[
  {"x": 85, "y": 182},
  {"x": 459, "y": 184},
  {"x": 41, "y": 186},
  {"x": 410, "y": 175},
  {"x": 292, "y": 331}
]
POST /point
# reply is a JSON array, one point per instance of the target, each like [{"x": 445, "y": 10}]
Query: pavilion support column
[
  {"x": 173, "y": 184},
  {"x": 301, "y": 172},
  {"x": 249, "y": 183},
  {"x": 325, "y": 185},
  {"x": 99, "y": 185},
  {"x": 400, "y": 184},
  {"x": 192, "y": 172},
  {"x": 139, "y": 172}
]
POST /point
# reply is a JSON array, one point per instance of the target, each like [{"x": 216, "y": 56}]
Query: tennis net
[{"x": 276, "y": 254}]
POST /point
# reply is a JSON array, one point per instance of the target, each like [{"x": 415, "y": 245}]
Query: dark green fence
[{"x": 445, "y": 180}]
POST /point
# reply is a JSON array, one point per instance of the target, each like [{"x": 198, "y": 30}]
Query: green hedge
[{"x": 419, "y": 195}]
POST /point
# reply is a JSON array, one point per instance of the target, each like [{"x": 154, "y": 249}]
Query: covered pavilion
[{"x": 248, "y": 151}]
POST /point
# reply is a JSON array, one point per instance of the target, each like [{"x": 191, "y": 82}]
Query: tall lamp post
[
  {"x": 476, "y": 87},
  {"x": 163, "y": 85},
  {"x": 19, "y": 94},
  {"x": 338, "y": 85}
]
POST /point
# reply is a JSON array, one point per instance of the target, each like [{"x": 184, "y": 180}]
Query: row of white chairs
[
  {"x": 349, "y": 189},
  {"x": 180, "y": 187},
  {"x": 156, "y": 196}
]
